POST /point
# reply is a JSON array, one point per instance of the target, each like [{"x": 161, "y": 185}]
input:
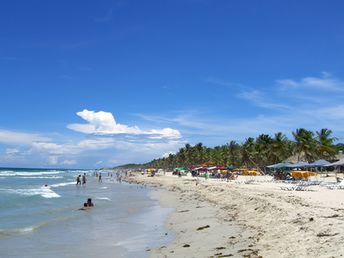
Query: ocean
[{"x": 40, "y": 216}]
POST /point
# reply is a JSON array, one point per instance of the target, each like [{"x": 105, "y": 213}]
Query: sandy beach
[{"x": 248, "y": 217}]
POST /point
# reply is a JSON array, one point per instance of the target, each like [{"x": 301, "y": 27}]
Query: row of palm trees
[{"x": 260, "y": 151}]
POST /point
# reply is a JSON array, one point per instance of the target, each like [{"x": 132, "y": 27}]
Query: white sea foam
[
  {"x": 62, "y": 184},
  {"x": 80, "y": 171},
  {"x": 16, "y": 231},
  {"x": 42, "y": 177},
  {"x": 13, "y": 173},
  {"x": 44, "y": 191},
  {"x": 104, "y": 187},
  {"x": 103, "y": 198}
]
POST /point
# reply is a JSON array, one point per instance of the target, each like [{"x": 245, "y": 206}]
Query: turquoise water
[{"x": 45, "y": 221}]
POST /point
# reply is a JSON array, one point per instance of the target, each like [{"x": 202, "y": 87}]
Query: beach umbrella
[{"x": 181, "y": 169}]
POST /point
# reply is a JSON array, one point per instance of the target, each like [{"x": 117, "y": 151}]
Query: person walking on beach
[
  {"x": 78, "y": 180},
  {"x": 228, "y": 176},
  {"x": 100, "y": 177},
  {"x": 84, "y": 179},
  {"x": 206, "y": 175}
]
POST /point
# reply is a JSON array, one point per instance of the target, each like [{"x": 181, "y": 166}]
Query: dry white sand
[{"x": 249, "y": 220}]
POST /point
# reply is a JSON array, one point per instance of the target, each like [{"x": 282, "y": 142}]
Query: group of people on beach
[
  {"x": 228, "y": 176},
  {"x": 82, "y": 179}
]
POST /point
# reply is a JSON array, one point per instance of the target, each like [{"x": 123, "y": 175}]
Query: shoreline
[
  {"x": 248, "y": 220},
  {"x": 201, "y": 229}
]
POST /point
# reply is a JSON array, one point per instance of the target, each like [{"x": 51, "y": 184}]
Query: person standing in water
[
  {"x": 100, "y": 177},
  {"x": 78, "y": 180},
  {"x": 84, "y": 179}
]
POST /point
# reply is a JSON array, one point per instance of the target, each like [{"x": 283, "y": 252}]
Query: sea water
[{"x": 40, "y": 216}]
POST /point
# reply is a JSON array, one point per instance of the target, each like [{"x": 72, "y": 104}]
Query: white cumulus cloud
[
  {"x": 104, "y": 123},
  {"x": 74, "y": 148}
]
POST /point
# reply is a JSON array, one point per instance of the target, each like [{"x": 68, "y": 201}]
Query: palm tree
[
  {"x": 325, "y": 147},
  {"x": 234, "y": 152},
  {"x": 281, "y": 148},
  {"x": 188, "y": 155},
  {"x": 199, "y": 153},
  {"x": 181, "y": 157},
  {"x": 263, "y": 149},
  {"x": 305, "y": 144},
  {"x": 215, "y": 155},
  {"x": 248, "y": 151}
]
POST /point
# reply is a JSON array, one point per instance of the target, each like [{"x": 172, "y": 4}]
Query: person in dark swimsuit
[
  {"x": 78, "y": 180},
  {"x": 84, "y": 179},
  {"x": 89, "y": 202}
]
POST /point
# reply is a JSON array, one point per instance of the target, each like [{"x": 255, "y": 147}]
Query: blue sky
[{"x": 102, "y": 83}]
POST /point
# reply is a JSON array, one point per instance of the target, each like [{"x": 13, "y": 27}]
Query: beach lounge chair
[
  {"x": 287, "y": 187},
  {"x": 303, "y": 186},
  {"x": 334, "y": 186}
]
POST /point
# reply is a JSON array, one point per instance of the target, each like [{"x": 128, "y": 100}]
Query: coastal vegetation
[{"x": 263, "y": 150}]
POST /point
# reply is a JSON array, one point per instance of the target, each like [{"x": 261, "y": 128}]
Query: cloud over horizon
[
  {"x": 20, "y": 138},
  {"x": 104, "y": 123},
  {"x": 105, "y": 141}
]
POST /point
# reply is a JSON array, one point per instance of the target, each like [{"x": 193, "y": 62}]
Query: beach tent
[
  {"x": 318, "y": 163},
  {"x": 337, "y": 163},
  {"x": 298, "y": 165},
  {"x": 279, "y": 165}
]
